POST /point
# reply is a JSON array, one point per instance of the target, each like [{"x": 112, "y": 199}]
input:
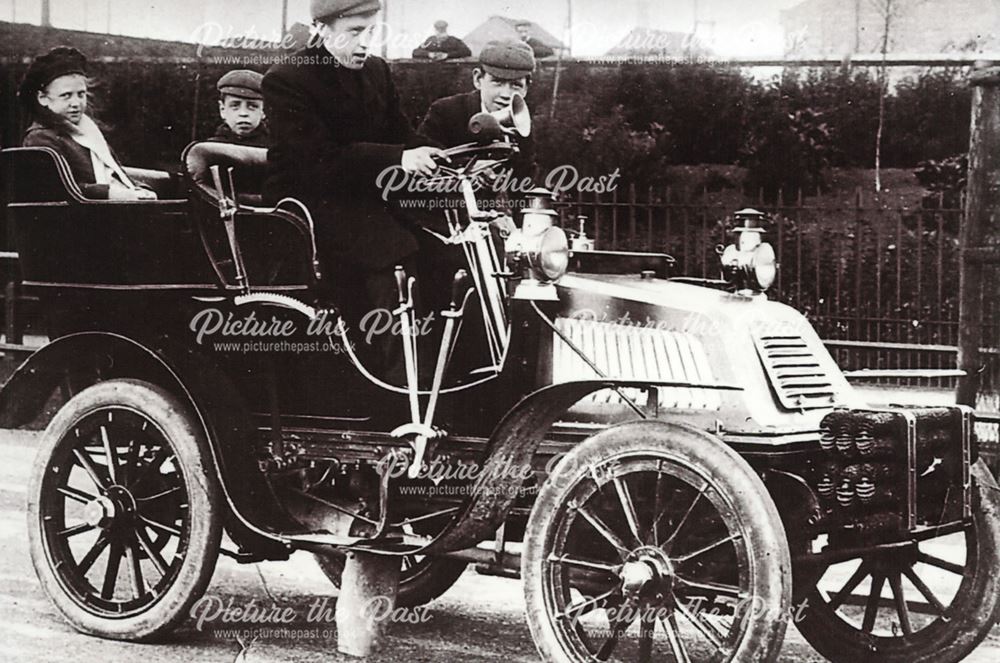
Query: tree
[{"x": 888, "y": 12}]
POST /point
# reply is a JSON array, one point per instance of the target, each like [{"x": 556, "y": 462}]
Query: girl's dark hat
[{"x": 60, "y": 61}]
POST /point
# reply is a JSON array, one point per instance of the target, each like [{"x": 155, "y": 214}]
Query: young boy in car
[
  {"x": 504, "y": 69},
  {"x": 241, "y": 106}
]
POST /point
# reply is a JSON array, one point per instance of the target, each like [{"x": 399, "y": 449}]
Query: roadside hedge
[{"x": 787, "y": 130}]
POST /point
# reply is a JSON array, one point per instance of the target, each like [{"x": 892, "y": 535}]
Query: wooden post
[
  {"x": 555, "y": 85},
  {"x": 367, "y": 599},
  {"x": 982, "y": 219}
]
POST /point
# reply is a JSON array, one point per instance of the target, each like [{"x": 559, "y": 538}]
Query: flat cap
[
  {"x": 44, "y": 69},
  {"x": 241, "y": 83},
  {"x": 326, "y": 9},
  {"x": 507, "y": 59}
]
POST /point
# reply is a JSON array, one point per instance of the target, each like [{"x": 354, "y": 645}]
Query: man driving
[{"x": 336, "y": 124}]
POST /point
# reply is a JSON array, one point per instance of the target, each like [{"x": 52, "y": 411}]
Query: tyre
[
  {"x": 421, "y": 579},
  {"x": 124, "y": 512},
  {"x": 929, "y": 602},
  {"x": 653, "y": 541}
]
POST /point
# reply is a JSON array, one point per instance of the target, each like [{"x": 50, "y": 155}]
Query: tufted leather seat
[
  {"x": 249, "y": 169},
  {"x": 40, "y": 174}
]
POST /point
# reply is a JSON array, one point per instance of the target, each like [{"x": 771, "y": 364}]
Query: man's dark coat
[
  {"x": 333, "y": 131},
  {"x": 451, "y": 46}
]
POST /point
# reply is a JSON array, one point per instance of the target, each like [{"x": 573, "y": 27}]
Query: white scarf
[{"x": 88, "y": 134}]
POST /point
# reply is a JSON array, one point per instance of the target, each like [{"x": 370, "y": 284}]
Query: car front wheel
[{"x": 650, "y": 542}]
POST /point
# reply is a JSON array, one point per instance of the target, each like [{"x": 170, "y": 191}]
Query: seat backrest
[
  {"x": 42, "y": 175},
  {"x": 249, "y": 166},
  {"x": 36, "y": 175}
]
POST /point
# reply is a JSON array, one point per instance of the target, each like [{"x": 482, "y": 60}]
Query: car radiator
[{"x": 635, "y": 352}]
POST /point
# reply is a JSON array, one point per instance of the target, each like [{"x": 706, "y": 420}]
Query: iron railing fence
[{"x": 878, "y": 281}]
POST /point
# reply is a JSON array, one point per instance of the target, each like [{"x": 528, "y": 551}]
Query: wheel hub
[
  {"x": 647, "y": 573},
  {"x": 636, "y": 576},
  {"x": 109, "y": 509},
  {"x": 100, "y": 512}
]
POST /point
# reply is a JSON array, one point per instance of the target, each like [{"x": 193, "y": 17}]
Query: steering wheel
[{"x": 474, "y": 158}]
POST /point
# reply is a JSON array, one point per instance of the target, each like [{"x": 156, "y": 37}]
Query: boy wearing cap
[
  {"x": 441, "y": 45},
  {"x": 241, "y": 106},
  {"x": 504, "y": 69},
  {"x": 336, "y": 125}
]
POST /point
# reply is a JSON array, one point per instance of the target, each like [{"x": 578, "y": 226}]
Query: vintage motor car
[{"x": 675, "y": 467}]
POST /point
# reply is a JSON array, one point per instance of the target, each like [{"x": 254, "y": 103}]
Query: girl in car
[{"x": 54, "y": 95}]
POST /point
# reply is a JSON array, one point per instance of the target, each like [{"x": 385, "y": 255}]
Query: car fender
[
  {"x": 90, "y": 357},
  {"x": 510, "y": 448}
]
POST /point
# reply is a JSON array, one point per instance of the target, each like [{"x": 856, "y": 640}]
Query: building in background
[
  {"x": 503, "y": 28},
  {"x": 840, "y": 27}
]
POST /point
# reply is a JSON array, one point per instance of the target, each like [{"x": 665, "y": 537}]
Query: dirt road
[{"x": 480, "y": 619}]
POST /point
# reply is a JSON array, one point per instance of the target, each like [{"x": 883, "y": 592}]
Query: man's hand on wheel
[{"x": 421, "y": 160}]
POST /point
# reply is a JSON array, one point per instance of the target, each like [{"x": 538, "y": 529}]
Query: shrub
[
  {"x": 944, "y": 182},
  {"x": 929, "y": 118},
  {"x": 786, "y": 149},
  {"x": 597, "y": 143},
  {"x": 947, "y": 176},
  {"x": 700, "y": 107}
]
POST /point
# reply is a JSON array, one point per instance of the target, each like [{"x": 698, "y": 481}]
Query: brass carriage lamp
[
  {"x": 539, "y": 250},
  {"x": 749, "y": 265},
  {"x": 539, "y": 214}
]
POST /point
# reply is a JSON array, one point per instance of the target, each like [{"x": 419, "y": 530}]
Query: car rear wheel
[{"x": 124, "y": 513}]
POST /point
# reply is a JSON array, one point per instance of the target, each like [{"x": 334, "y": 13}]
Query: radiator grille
[
  {"x": 796, "y": 375},
  {"x": 633, "y": 352}
]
